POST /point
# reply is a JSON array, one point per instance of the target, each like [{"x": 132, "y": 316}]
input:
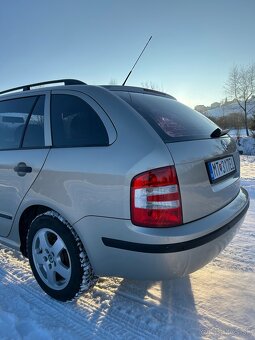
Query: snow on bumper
[{"x": 118, "y": 248}]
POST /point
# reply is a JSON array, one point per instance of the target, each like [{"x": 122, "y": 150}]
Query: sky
[{"x": 193, "y": 48}]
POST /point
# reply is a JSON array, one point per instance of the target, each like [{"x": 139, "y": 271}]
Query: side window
[
  {"x": 13, "y": 116},
  {"x": 75, "y": 123},
  {"x": 34, "y": 136}
]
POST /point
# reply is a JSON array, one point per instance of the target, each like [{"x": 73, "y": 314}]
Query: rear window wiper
[{"x": 219, "y": 133}]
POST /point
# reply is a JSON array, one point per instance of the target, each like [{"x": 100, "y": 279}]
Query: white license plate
[{"x": 221, "y": 168}]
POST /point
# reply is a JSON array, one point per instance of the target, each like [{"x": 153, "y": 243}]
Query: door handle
[{"x": 22, "y": 169}]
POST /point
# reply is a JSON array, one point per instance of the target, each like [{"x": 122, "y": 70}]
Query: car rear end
[
  {"x": 181, "y": 214},
  {"x": 207, "y": 168}
]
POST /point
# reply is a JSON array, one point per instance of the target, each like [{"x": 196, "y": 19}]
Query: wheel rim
[{"x": 51, "y": 259}]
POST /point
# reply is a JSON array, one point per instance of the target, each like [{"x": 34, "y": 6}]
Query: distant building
[
  {"x": 214, "y": 105},
  {"x": 201, "y": 108}
]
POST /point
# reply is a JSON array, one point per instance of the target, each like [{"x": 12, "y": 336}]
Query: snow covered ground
[
  {"x": 216, "y": 302},
  {"x": 245, "y": 145}
]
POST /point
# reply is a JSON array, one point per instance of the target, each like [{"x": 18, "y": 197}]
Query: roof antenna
[{"x": 136, "y": 61}]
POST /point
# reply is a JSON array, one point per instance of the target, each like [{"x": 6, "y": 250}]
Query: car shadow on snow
[{"x": 148, "y": 309}]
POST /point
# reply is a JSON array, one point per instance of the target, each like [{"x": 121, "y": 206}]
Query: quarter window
[
  {"x": 75, "y": 123},
  {"x": 13, "y": 116}
]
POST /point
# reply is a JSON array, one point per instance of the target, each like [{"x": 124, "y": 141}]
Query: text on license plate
[{"x": 221, "y": 167}]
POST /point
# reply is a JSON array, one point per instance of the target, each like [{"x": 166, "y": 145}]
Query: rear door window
[
  {"x": 172, "y": 120},
  {"x": 13, "y": 117},
  {"x": 75, "y": 123}
]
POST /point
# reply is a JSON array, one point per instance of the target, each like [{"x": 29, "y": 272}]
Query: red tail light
[{"x": 155, "y": 198}]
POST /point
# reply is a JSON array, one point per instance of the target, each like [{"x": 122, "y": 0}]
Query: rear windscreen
[{"x": 171, "y": 119}]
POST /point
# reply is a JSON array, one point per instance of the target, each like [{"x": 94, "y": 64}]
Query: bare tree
[
  {"x": 113, "y": 82},
  {"x": 241, "y": 87},
  {"x": 152, "y": 86},
  {"x": 252, "y": 125}
]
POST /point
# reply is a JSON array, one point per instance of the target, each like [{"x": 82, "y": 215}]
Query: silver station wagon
[{"x": 113, "y": 181}]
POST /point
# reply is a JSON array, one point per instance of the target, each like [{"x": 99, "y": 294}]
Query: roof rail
[{"x": 27, "y": 87}]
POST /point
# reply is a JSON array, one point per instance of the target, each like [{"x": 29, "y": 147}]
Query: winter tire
[{"x": 57, "y": 257}]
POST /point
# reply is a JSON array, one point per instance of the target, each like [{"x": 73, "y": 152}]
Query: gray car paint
[
  {"x": 90, "y": 188},
  {"x": 199, "y": 197}
]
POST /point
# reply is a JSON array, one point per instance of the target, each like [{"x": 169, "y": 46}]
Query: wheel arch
[{"x": 25, "y": 220}]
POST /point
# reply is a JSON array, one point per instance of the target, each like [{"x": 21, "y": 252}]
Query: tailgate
[{"x": 202, "y": 192}]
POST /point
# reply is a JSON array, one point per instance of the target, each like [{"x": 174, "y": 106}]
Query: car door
[{"x": 22, "y": 151}]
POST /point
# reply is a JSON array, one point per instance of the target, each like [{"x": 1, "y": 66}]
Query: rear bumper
[{"x": 118, "y": 248}]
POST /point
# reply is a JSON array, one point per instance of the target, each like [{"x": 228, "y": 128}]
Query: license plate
[{"x": 221, "y": 168}]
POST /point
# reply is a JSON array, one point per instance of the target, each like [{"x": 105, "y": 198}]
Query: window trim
[
  {"x": 110, "y": 129},
  {"x": 47, "y": 120}
]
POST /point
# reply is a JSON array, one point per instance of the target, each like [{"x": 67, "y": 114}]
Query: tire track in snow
[
  {"x": 18, "y": 274},
  {"x": 186, "y": 315},
  {"x": 129, "y": 316},
  {"x": 114, "y": 309},
  {"x": 82, "y": 317}
]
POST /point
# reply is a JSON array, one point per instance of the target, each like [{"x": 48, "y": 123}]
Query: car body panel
[
  {"x": 199, "y": 196},
  {"x": 92, "y": 180},
  {"x": 90, "y": 188},
  {"x": 82, "y": 181},
  {"x": 14, "y": 187},
  {"x": 156, "y": 266}
]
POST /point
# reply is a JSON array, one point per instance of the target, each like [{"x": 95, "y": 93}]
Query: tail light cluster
[{"x": 155, "y": 198}]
